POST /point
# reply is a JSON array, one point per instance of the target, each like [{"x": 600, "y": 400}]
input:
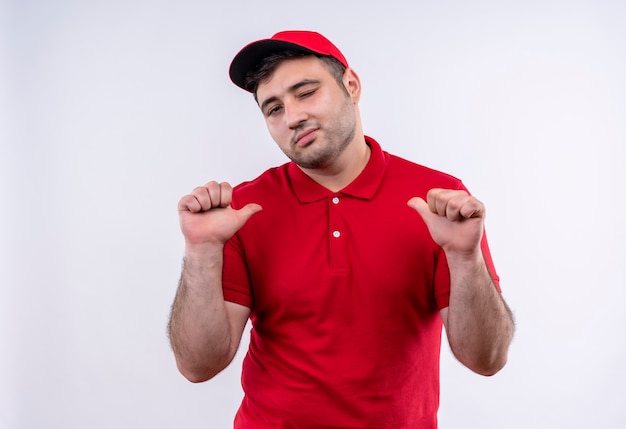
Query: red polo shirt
[{"x": 345, "y": 290}]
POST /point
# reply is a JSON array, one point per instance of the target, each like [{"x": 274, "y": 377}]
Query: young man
[{"x": 347, "y": 260}]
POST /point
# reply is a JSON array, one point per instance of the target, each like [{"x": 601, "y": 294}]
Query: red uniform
[{"x": 345, "y": 290}]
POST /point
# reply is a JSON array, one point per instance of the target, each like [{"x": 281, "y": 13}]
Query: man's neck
[{"x": 345, "y": 169}]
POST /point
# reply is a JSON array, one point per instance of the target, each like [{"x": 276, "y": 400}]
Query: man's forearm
[
  {"x": 479, "y": 323},
  {"x": 199, "y": 328}
]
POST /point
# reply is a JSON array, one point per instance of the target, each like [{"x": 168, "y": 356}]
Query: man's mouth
[{"x": 305, "y": 137}]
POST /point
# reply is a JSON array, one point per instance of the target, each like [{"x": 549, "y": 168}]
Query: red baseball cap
[{"x": 249, "y": 58}]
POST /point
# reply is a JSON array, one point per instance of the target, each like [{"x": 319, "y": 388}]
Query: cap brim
[{"x": 249, "y": 58}]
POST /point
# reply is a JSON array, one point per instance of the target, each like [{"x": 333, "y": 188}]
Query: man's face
[{"x": 311, "y": 118}]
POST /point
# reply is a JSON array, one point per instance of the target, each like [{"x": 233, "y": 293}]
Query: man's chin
[{"x": 309, "y": 163}]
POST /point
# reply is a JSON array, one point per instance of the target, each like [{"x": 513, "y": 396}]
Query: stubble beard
[
  {"x": 322, "y": 155},
  {"x": 338, "y": 135}
]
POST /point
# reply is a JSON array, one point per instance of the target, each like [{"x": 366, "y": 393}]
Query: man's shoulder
[
  {"x": 399, "y": 168},
  {"x": 402, "y": 167},
  {"x": 271, "y": 181}
]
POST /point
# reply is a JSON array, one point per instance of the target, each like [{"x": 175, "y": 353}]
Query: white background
[{"x": 110, "y": 111}]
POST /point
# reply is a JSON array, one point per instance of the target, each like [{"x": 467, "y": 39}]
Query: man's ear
[{"x": 352, "y": 83}]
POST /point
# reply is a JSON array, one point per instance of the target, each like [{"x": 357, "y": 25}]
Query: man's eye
[
  {"x": 307, "y": 93},
  {"x": 273, "y": 110}
]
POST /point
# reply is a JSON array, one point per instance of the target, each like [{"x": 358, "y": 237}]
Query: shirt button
[
  {"x": 335, "y": 200},
  {"x": 336, "y": 234}
]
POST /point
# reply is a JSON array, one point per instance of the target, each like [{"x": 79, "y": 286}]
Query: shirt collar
[{"x": 364, "y": 186}]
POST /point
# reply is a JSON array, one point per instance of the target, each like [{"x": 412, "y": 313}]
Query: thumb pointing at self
[
  {"x": 248, "y": 210},
  {"x": 420, "y": 206}
]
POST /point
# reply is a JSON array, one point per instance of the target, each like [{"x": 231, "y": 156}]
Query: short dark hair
[{"x": 269, "y": 64}]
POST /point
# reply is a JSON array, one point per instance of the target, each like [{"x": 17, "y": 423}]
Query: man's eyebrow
[
  {"x": 266, "y": 102},
  {"x": 302, "y": 83},
  {"x": 292, "y": 88}
]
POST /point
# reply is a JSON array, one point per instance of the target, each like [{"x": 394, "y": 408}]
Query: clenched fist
[
  {"x": 454, "y": 218},
  {"x": 206, "y": 216}
]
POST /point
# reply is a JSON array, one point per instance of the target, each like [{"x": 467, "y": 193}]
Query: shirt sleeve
[
  {"x": 442, "y": 273},
  {"x": 236, "y": 283}
]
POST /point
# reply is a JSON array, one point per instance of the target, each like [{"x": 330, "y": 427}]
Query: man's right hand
[{"x": 207, "y": 218}]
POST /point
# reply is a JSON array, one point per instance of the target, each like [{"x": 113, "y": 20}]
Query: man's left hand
[{"x": 454, "y": 219}]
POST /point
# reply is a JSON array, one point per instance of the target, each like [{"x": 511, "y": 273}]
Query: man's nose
[{"x": 294, "y": 115}]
